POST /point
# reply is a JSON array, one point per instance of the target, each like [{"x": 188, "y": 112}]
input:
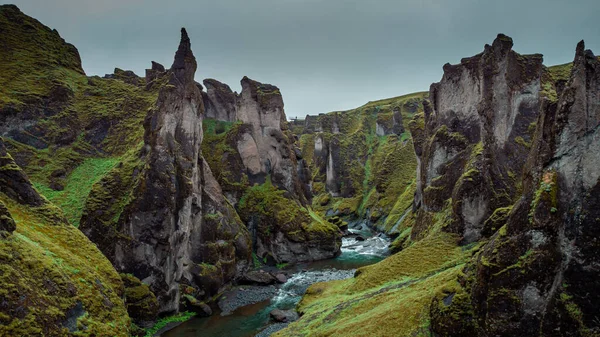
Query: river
[{"x": 250, "y": 320}]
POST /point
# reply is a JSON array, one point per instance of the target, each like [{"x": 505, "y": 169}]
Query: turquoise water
[{"x": 250, "y": 320}]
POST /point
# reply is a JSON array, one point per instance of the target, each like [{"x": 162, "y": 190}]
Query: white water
[{"x": 250, "y": 320}]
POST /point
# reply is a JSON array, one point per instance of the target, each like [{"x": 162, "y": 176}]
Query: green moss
[
  {"x": 390, "y": 298},
  {"x": 218, "y": 150},
  {"x": 272, "y": 212},
  {"x": 561, "y": 71},
  {"x": 34, "y": 60},
  {"x": 113, "y": 192},
  {"x": 163, "y": 322},
  {"x": 519, "y": 140},
  {"x": 77, "y": 187},
  {"x": 546, "y": 194},
  {"x": 55, "y": 266}
]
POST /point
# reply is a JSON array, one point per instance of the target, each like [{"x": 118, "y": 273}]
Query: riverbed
[{"x": 359, "y": 249}]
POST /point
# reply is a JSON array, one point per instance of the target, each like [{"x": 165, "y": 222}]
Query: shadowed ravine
[{"x": 250, "y": 320}]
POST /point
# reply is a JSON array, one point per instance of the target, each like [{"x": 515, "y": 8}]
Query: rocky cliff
[
  {"x": 503, "y": 239},
  {"x": 361, "y": 163},
  {"x": 263, "y": 173},
  {"x": 265, "y": 145},
  {"x": 537, "y": 274},
  {"x": 121, "y": 155},
  {"x": 176, "y": 230},
  {"x": 475, "y": 137}
]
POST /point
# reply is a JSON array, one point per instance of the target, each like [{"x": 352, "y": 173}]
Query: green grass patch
[
  {"x": 78, "y": 186},
  {"x": 390, "y": 298},
  {"x": 163, "y": 322}
]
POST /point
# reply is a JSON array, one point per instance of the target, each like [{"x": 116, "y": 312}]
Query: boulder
[
  {"x": 281, "y": 278},
  {"x": 258, "y": 277},
  {"x": 283, "y": 316}
]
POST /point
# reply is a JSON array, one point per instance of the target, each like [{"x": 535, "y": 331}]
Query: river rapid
[{"x": 359, "y": 249}]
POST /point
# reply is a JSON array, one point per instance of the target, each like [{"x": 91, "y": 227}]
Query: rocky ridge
[
  {"x": 495, "y": 249},
  {"x": 177, "y": 231},
  {"x": 541, "y": 263}
]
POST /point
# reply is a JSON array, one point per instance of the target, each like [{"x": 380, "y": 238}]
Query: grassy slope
[
  {"x": 47, "y": 267},
  {"x": 124, "y": 105},
  {"x": 390, "y": 298},
  {"x": 28, "y": 45},
  {"x": 34, "y": 60}
]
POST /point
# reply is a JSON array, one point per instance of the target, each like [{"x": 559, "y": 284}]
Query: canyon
[{"x": 129, "y": 203}]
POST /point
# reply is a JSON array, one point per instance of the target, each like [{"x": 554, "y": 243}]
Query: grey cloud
[{"x": 324, "y": 54}]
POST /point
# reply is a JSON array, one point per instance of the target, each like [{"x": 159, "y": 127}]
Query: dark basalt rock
[
  {"x": 141, "y": 303},
  {"x": 7, "y": 223},
  {"x": 281, "y": 278},
  {"x": 14, "y": 183},
  {"x": 538, "y": 275},
  {"x": 178, "y": 228},
  {"x": 476, "y": 133},
  {"x": 126, "y": 76},
  {"x": 153, "y": 73},
  {"x": 258, "y": 277},
  {"x": 283, "y": 316}
]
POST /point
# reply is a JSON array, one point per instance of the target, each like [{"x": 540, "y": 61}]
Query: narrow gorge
[{"x": 159, "y": 205}]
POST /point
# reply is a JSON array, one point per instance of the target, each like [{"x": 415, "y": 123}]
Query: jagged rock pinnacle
[
  {"x": 502, "y": 44},
  {"x": 184, "y": 65}
]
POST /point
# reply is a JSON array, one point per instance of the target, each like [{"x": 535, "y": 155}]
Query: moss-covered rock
[
  {"x": 362, "y": 162},
  {"x": 53, "y": 280},
  {"x": 470, "y": 152},
  {"x": 284, "y": 230},
  {"x": 7, "y": 223},
  {"x": 141, "y": 303}
]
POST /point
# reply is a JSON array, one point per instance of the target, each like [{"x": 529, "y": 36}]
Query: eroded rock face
[
  {"x": 539, "y": 273},
  {"x": 178, "y": 230},
  {"x": 264, "y": 142},
  {"x": 219, "y": 101},
  {"x": 14, "y": 182},
  {"x": 7, "y": 223},
  {"x": 261, "y": 106},
  {"x": 476, "y": 135},
  {"x": 388, "y": 126}
]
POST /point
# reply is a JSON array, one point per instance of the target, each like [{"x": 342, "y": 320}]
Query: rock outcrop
[
  {"x": 51, "y": 276},
  {"x": 264, "y": 174},
  {"x": 14, "y": 182},
  {"x": 475, "y": 137},
  {"x": 25, "y": 52},
  {"x": 7, "y": 223},
  {"x": 264, "y": 144},
  {"x": 219, "y": 101},
  {"x": 362, "y": 162},
  {"x": 538, "y": 275},
  {"x": 178, "y": 230}
]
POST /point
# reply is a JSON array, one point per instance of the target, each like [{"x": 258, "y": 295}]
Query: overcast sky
[{"x": 324, "y": 55}]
